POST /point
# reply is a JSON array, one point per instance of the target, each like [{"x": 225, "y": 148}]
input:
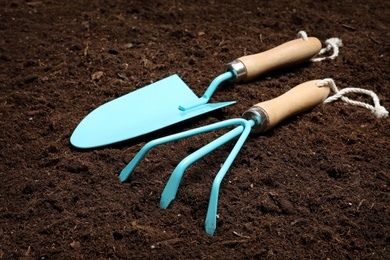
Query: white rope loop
[
  {"x": 331, "y": 43},
  {"x": 378, "y": 110},
  {"x": 334, "y": 43}
]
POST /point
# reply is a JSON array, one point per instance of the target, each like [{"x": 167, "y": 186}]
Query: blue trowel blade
[{"x": 140, "y": 112}]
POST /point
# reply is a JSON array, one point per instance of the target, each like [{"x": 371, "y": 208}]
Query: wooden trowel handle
[
  {"x": 297, "y": 100},
  {"x": 287, "y": 54}
]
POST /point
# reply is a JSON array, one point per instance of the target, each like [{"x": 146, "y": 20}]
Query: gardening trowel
[{"x": 170, "y": 100}]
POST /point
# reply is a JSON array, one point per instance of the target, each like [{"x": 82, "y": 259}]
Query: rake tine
[
  {"x": 126, "y": 172},
  {"x": 211, "y": 217},
  {"x": 173, "y": 183}
]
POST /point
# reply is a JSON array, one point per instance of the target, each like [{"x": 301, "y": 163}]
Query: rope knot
[
  {"x": 331, "y": 43},
  {"x": 326, "y": 82},
  {"x": 380, "y": 112}
]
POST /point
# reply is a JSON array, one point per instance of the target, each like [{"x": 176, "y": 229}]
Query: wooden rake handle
[
  {"x": 301, "y": 98},
  {"x": 287, "y": 54}
]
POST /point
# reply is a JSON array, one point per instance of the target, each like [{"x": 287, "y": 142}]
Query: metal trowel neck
[{"x": 229, "y": 75}]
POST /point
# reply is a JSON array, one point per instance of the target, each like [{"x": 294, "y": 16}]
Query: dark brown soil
[{"x": 317, "y": 186}]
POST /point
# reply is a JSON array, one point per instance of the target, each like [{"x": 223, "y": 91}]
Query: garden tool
[
  {"x": 259, "y": 118},
  {"x": 170, "y": 100}
]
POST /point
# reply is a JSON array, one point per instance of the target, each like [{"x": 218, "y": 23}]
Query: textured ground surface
[{"x": 317, "y": 186}]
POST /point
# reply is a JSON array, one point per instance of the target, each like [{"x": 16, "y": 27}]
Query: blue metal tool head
[{"x": 142, "y": 111}]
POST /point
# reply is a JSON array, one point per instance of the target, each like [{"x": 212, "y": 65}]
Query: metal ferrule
[
  {"x": 238, "y": 68},
  {"x": 259, "y": 116}
]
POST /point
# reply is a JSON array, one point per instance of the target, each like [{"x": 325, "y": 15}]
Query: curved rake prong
[
  {"x": 126, "y": 172},
  {"x": 173, "y": 183},
  {"x": 211, "y": 217}
]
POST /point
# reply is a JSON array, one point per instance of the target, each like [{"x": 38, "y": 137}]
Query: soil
[{"x": 317, "y": 186}]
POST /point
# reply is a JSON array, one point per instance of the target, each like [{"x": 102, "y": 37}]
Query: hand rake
[{"x": 259, "y": 118}]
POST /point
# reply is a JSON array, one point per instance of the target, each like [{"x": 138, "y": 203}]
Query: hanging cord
[
  {"x": 331, "y": 43},
  {"x": 334, "y": 43},
  {"x": 378, "y": 110}
]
